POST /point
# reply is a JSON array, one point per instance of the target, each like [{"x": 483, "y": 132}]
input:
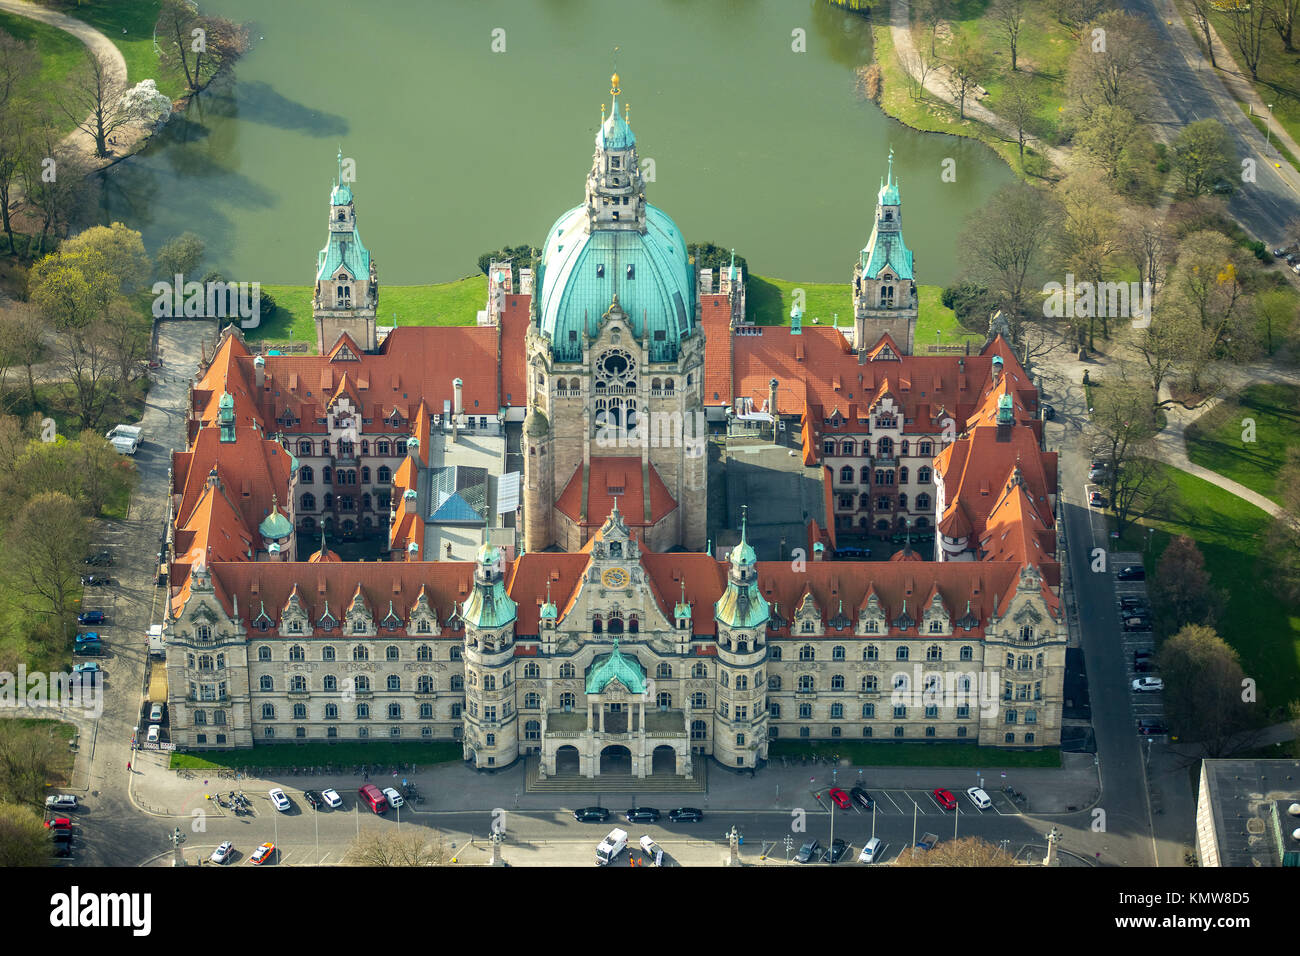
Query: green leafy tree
[
  {"x": 1181, "y": 591},
  {"x": 121, "y": 253},
  {"x": 1107, "y": 137},
  {"x": 969, "y": 65},
  {"x": 1204, "y": 690},
  {"x": 44, "y": 549},
  {"x": 24, "y": 841},
  {"x": 1202, "y": 156},
  {"x": 181, "y": 255}
]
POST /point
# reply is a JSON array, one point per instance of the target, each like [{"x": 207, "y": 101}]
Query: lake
[{"x": 460, "y": 149}]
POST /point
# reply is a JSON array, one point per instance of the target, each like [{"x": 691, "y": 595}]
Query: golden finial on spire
[
  {"x": 602, "y": 114},
  {"x": 613, "y": 85},
  {"x": 627, "y": 113}
]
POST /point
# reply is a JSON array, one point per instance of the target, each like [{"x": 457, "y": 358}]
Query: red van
[{"x": 371, "y": 795}]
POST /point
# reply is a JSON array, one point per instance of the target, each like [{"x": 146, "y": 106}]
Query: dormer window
[
  {"x": 631, "y": 269},
  {"x": 615, "y": 162},
  {"x": 600, "y": 270}
]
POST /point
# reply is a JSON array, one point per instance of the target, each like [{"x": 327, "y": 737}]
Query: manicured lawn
[
  {"x": 60, "y": 53},
  {"x": 347, "y": 755},
  {"x": 916, "y": 754},
  {"x": 137, "y": 17},
  {"x": 922, "y": 111},
  {"x": 446, "y": 303},
  {"x": 1230, "y": 534},
  {"x": 1215, "y": 440}
]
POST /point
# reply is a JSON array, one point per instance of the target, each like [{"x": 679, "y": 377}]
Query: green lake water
[{"x": 460, "y": 149}]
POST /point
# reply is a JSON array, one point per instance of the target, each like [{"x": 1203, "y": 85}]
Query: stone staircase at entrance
[{"x": 572, "y": 782}]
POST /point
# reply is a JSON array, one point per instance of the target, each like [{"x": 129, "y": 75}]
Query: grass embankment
[
  {"x": 346, "y": 755},
  {"x": 446, "y": 303},
  {"x": 1043, "y": 49},
  {"x": 60, "y": 53},
  {"x": 768, "y": 302},
  {"x": 915, "y": 754},
  {"x": 1230, "y": 533},
  {"x": 1216, "y": 441},
  {"x": 137, "y": 18}
]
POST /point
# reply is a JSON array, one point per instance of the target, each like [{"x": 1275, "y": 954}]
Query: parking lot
[
  {"x": 1147, "y": 705},
  {"x": 922, "y": 802}
]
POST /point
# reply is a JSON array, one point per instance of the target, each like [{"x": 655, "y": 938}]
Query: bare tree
[
  {"x": 968, "y": 67},
  {"x": 55, "y": 183},
  {"x": 87, "y": 358},
  {"x": 1111, "y": 68},
  {"x": 1088, "y": 238},
  {"x": 1248, "y": 24},
  {"x": 93, "y": 101},
  {"x": 1019, "y": 105},
  {"x": 1124, "y": 422},
  {"x": 1201, "y": 14},
  {"x": 17, "y": 61},
  {"x": 1008, "y": 18},
  {"x": 1282, "y": 14},
  {"x": 204, "y": 46},
  {"x": 373, "y": 848},
  {"x": 932, "y": 13},
  {"x": 1005, "y": 245},
  {"x": 1075, "y": 15},
  {"x": 24, "y": 341},
  {"x": 28, "y": 757},
  {"x": 968, "y": 851},
  {"x": 1149, "y": 245}
]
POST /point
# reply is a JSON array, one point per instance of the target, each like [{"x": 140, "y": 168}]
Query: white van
[
  {"x": 125, "y": 438},
  {"x": 653, "y": 850},
  {"x": 607, "y": 851},
  {"x": 871, "y": 852}
]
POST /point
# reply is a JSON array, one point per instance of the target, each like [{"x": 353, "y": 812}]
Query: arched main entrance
[
  {"x": 616, "y": 759},
  {"x": 664, "y": 760},
  {"x": 567, "y": 760}
]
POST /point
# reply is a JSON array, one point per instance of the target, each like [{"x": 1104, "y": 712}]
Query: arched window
[
  {"x": 360, "y": 653},
  {"x": 774, "y": 682},
  {"x": 806, "y": 684},
  {"x": 924, "y": 474},
  {"x": 866, "y": 476},
  {"x": 394, "y": 682},
  {"x": 306, "y": 475},
  {"x": 532, "y": 701},
  {"x": 424, "y": 653},
  {"x": 567, "y": 670},
  {"x": 902, "y": 474},
  {"x": 699, "y": 701},
  {"x": 846, "y": 448},
  {"x": 700, "y": 670},
  {"x": 362, "y": 684},
  {"x": 596, "y": 625},
  {"x": 568, "y": 700},
  {"x": 329, "y": 502},
  {"x": 365, "y": 474},
  {"x": 871, "y": 652},
  {"x": 532, "y": 670},
  {"x": 885, "y": 448},
  {"x": 837, "y": 711},
  {"x": 838, "y": 653},
  {"x": 664, "y": 700},
  {"x": 381, "y": 448},
  {"x": 837, "y": 682},
  {"x": 901, "y": 653},
  {"x": 933, "y": 653},
  {"x": 329, "y": 682},
  {"x": 424, "y": 684},
  {"x": 268, "y": 711},
  {"x": 903, "y": 447},
  {"x": 924, "y": 449},
  {"x": 457, "y": 682},
  {"x": 266, "y": 682},
  {"x": 806, "y": 653},
  {"x": 263, "y": 653},
  {"x": 304, "y": 448},
  {"x": 869, "y": 684},
  {"x": 922, "y": 504},
  {"x": 664, "y": 671},
  {"x": 327, "y": 474},
  {"x": 309, "y": 502},
  {"x": 846, "y": 475}
]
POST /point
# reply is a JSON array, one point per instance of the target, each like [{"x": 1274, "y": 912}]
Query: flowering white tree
[{"x": 149, "y": 106}]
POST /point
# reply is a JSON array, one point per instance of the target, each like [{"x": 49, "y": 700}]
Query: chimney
[
  {"x": 771, "y": 398},
  {"x": 259, "y": 372},
  {"x": 458, "y": 403}
]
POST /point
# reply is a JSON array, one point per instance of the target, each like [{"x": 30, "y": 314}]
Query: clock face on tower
[{"x": 615, "y": 578}]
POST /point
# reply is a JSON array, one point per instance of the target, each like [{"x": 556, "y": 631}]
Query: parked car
[
  {"x": 1143, "y": 666},
  {"x": 862, "y": 798},
  {"x": 1148, "y": 684},
  {"x": 1279, "y": 252},
  {"x": 1139, "y": 655},
  {"x": 85, "y": 667},
  {"x": 262, "y": 854},
  {"x": 61, "y": 801},
  {"x": 58, "y": 823},
  {"x": 810, "y": 851},
  {"x": 393, "y": 797},
  {"x": 90, "y": 649},
  {"x": 155, "y": 711},
  {"x": 870, "y": 851},
  {"x": 1096, "y": 499},
  {"x": 945, "y": 798},
  {"x": 90, "y": 617},
  {"x": 1292, "y": 259},
  {"x": 312, "y": 798},
  {"x": 100, "y": 559},
  {"x": 279, "y": 800},
  {"x": 90, "y": 637},
  {"x": 154, "y": 734},
  {"x": 1097, "y": 474},
  {"x": 1049, "y": 412},
  {"x": 642, "y": 815},
  {"x": 979, "y": 798},
  {"x": 1132, "y": 572},
  {"x": 1151, "y": 726},
  {"x": 94, "y": 580},
  {"x": 836, "y": 852},
  {"x": 1132, "y": 602},
  {"x": 373, "y": 798},
  {"x": 686, "y": 815},
  {"x": 841, "y": 798},
  {"x": 591, "y": 815},
  {"x": 223, "y": 853},
  {"x": 331, "y": 798},
  {"x": 1295, "y": 267},
  {"x": 1137, "y": 623}
]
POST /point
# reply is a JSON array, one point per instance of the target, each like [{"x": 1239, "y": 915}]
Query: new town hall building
[{"x": 607, "y": 639}]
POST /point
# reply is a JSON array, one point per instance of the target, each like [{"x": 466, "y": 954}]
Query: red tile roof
[
  {"x": 253, "y": 469},
  {"x": 528, "y": 578},
  {"x": 603, "y": 478},
  {"x": 715, "y": 321},
  {"x": 514, "y": 350}
]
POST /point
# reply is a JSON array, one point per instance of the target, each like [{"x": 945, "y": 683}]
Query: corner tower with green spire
[
  {"x": 884, "y": 283},
  {"x": 488, "y": 614},
  {"x": 741, "y": 614},
  {"x": 347, "y": 279}
]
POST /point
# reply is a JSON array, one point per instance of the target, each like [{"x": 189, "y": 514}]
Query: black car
[
  {"x": 1139, "y": 655},
  {"x": 1143, "y": 666},
  {"x": 862, "y": 798},
  {"x": 100, "y": 559},
  {"x": 63, "y": 848},
  {"x": 312, "y": 798},
  {"x": 1133, "y": 572},
  {"x": 642, "y": 815},
  {"x": 1151, "y": 726},
  {"x": 837, "y": 851},
  {"x": 591, "y": 815},
  {"x": 810, "y": 851},
  {"x": 1131, "y": 602},
  {"x": 686, "y": 815},
  {"x": 1049, "y": 412},
  {"x": 94, "y": 580}
]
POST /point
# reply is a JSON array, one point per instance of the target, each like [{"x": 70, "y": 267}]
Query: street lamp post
[{"x": 1268, "y": 131}]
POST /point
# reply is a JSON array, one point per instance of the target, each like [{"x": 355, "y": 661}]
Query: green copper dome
[
  {"x": 275, "y": 525},
  {"x": 582, "y": 269},
  {"x": 615, "y": 666}
]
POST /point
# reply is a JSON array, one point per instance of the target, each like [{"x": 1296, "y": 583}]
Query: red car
[
  {"x": 946, "y": 799},
  {"x": 58, "y": 823},
  {"x": 841, "y": 798}
]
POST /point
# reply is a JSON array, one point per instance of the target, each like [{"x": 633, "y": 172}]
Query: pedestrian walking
[{"x": 128, "y": 766}]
